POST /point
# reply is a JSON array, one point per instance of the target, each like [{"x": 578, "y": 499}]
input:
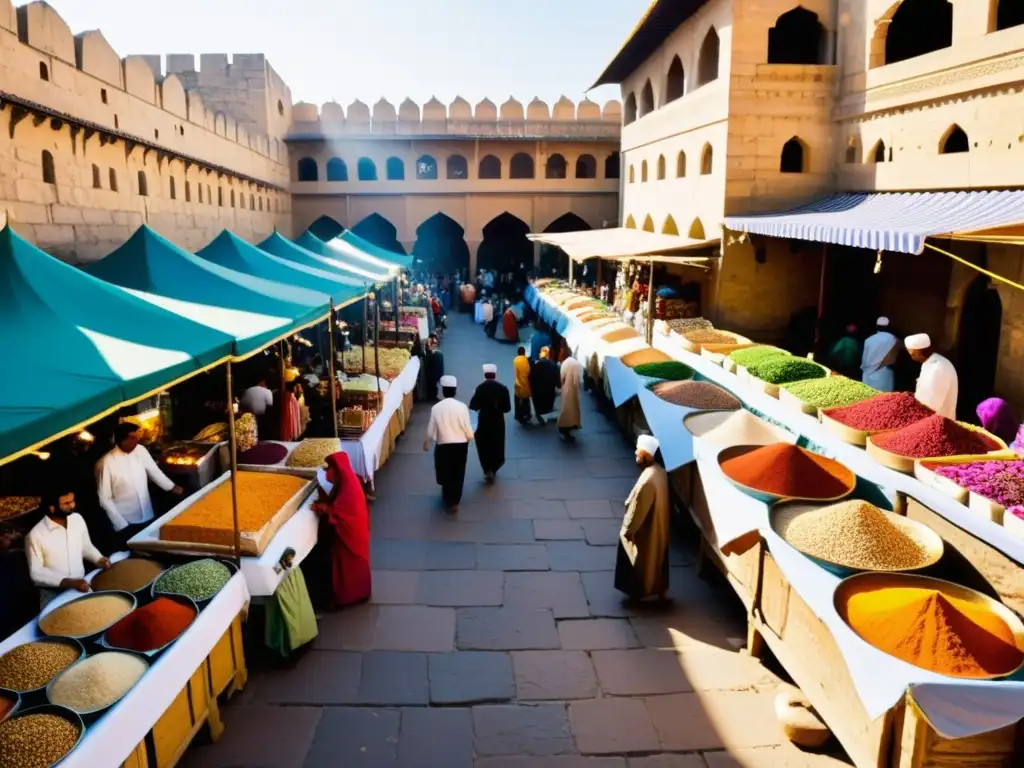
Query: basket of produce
[
  {"x": 779, "y": 471},
  {"x": 40, "y": 737},
  {"x": 28, "y": 668},
  {"x": 198, "y": 580},
  {"x": 87, "y": 617},
  {"x": 853, "y": 536},
  {"x": 726, "y": 429},
  {"x": 312, "y": 452},
  {"x": 812, "y": 395},
  {"x": 925, "y": 472},
  {"x": 692, "y": 340},
  {"x": 747, "y": 356},
  {"x": 95, "y": 684},
  {"x": 700, "y": 395},
  {"x": 932, "y": 438},
  {"x": 133, "y": 574},
  {"x": 987, "y": 487},
  {"x": 769, "y": 375},
  {"x": 669, "y": 370},
  {"x": 151, "y": 629},
  {"x": 881, "y": 413},
  {"x": 645, "y": 357},
  {"x": 1013, "y": 521},
  {"x": 13, "y": 507},
  {"x": 933, "y": 624},
  {"x": 622, "y": 334}
]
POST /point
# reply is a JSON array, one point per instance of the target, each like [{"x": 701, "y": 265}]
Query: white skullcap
[
  {"x": 321, "y": 478},
  {"x": 883, "y": 322},
  {"x": 449, "y": 381},
  {"x": 490, "y": 368},
  {"x": 918, "y": 341},
  {"x": 648, "y": 443}
]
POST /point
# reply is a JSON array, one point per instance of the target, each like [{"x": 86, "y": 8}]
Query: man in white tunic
[
  {"x": 937, "y": 384},
  {"x": 122, "y": 482},
  {"x": 451, "y": 430},
  {"x": 569, "y": 411},
  {"x": 641, "y": 567},
  {"x": 881, "y": 350}
]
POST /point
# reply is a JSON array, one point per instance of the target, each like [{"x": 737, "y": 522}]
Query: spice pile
[
  {"x": 888, "y": 411},
  {"x": 261, "y": 495},
  {"x": 789, "y": 471},
  {"x": 85, "y": 615},
  {"x": 32, "y": 665},
  {"x": 36, "y": 740},
  {"x": 783, "y": 369},
  {"x": 758, "y": 354},
  {"x": 645, "y": 357},
  {"x": 696, "y": 394},
  {"x": 623, "y": 334},
  {"x": 1000, "y": 481},
  {"x": 128, "y": 575},
  {"x": 830, "y": 392},
  {"x": 707, "y": 336},
  {"x": 263, "y": 454},
  {"x": 934, "y": 631},
  {"x": 246, "y": 435},
  {"x": 313, "y": 452},
  {"x": 934, "y": 437},
  {"x": 739, "y": 428},
  {"x": 669, "y": 371},
  {"x": 97, "y": 682},
  {"x": 200, "y": 579},
  {"x": 11, "y": 506},
  {"x": 684, "y": 324},
  {"x": 853, "y": 534},
  {"x": 152, "y": 626}
]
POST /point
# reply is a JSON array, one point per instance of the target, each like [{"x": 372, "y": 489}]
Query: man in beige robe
[
  {"x": 641, "y": 568},
  {"x": 569, "y": 413}
]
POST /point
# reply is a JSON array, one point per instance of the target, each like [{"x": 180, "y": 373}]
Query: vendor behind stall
[
  {"x": 122, "y": 483},
  {"x": 937, "y": 385},
  {"x": 57, "y": 547}
]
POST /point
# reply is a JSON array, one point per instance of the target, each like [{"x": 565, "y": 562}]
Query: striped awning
[{"x": 893, "y": 221}]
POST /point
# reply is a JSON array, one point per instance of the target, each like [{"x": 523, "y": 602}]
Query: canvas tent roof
[
  {"x": 280, "y": 246},
  {"x": 343, "y": 259},
  {"x": 230, "y": 251},
  {"x": 623, "y": 243},
  {"x": 364, "y": 245},
  {"x": 88, "y": 346},
  {"x": 256, "y": 312}
]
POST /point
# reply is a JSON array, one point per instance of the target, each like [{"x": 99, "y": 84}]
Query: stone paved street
[{"x": 495, "y": 639}]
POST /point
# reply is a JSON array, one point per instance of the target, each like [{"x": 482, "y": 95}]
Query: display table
[{"x": 178, "y": 694}]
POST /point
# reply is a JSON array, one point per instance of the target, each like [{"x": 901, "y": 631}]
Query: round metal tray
[
  {"x": 28, "y": 695},
  {"x": 154, "y": 652},
  {"x": 90, "y": 596},
  {"x": 93, "y": 714},
  {"x": 850, "y": 479}
]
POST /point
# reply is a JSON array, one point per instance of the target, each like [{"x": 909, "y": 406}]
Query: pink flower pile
[{"x": 1000, "y": 481}]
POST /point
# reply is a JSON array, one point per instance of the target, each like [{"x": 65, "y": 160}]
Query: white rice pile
[{"x": 736, "y": 428}]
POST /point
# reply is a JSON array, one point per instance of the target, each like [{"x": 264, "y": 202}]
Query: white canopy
[{"x": 621, "y": 244}]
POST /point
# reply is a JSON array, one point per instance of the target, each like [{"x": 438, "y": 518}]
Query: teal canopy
[
  {"x": 254, "y": 311},
  {"x": 282, "y": 247},
  {"x": 376, "y": 274},
  {"x": 82, "y": 347},
  {"x": 374, "y": 250},
  {"x": 230, "y": 251}
]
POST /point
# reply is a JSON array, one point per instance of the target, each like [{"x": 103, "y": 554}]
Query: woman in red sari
[{"x": 345, "y": 522}]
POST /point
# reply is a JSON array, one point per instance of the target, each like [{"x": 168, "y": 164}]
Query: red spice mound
[
  {"x": 787, "y": 470},
  {"x": 934, "y": 437},
  {"x": 151, "y": 626},
  {"x": 889, "y": 411}
]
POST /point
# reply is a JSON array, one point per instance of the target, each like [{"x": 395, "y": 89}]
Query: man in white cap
[
  {"x": 451, "y": 431},
  {"x": 881, "y": 350},
  {"x": 937, "y": 384},
  {"x": 492, "y": 401},
  {"x": 641, "y": 568}
]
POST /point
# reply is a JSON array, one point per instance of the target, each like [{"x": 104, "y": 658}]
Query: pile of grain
[
  {"x": 85, "y": 616},
  {"x": 32, "y": 665},
  {"x": 854, "y": 534},
  {"x": 97, "y": 682},
  {"x": 696, "y": 394},
  {"x": 313, "y": 452},
  {"x": 786, "y": 369},
  {"x": 684, "y": 324},
  {"x": 643, "y": 357},
  {"x": 623, "y": 334},
  {"x": 36, "y": 740},
  {"x": 128, "y": 575},
  {"x": 200, "y": 579},
  {"x": 738, "y": 428},
  {"x": 707, "y": 336},
  {"x": 830, "y": 392},
  {"x": 753, "y": 355}
]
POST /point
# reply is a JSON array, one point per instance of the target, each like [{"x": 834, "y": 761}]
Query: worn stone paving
[{"x": 495, "y": 638}]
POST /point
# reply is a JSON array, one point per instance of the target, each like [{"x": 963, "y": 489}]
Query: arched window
[
  {"x": 612, "y": 166},
  {"x": 707, "y": 64},
  {"x": 232, "y": 198},
  {"x": 366, "y": 169},
  {"x": 918, "y": 27},
  {"x": 521, "y": 166},
  {"x": 675, "y": 83},
  {"x": 261, "y": 204},
  {"x": 457, "y": 167},
  {"x": 632, "y": 174},
  {"x": 681, "y": 165},
  {"x": 252, "y": 202},
  {"x": 629, "y": 110},
  {"x": 112, "y": 174},
  {"x": 337, "y": 170},
  {"x": 707, "y": 160},
  {"x": 49, "y": 173},
  {"x": 792, "y": 156},
  {"x": 96, "y": 183},
  {"x": 143, "y": 184},
  {"x": 308, "y": 170},
  {"x": 954, "y": 141},
  {"x": 630, "y": 222},
  {"x": 44, "y": 71},
  {"x": 1010, "y": 14},
  {"x": 647, "y": 99},
  {"x": 199, "y": 189},
  {"x": 852, "y": 150},
  {"x": 188, "y": 192},
  {"x": 174, "y": 189},
  {"x": 643, "y": 171},
  {"x": 697, "y": 230},
  {"x": 490, "y": 167},
  {"x": 426, "y": 168},
  {"x": 797, "y": 38},
  {"x": 395, "y": 169},
  {"x": 661, "y": 167},
  {"x": 648, "y": 224},
  {"x": 877, "y": 154},
  {"x": 586, "y": 167},
  {"x": 556, "y": 167},
  {"x": 669, "y": 227},
  {"x": 220, "y": 197}
]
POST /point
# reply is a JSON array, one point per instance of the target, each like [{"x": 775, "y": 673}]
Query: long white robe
[
  {"x": 641, "y": 569},
  {"x": 572, "y": 377},
  {"x": 878, "y": 348},
  {"x": 937, "y": 386}
]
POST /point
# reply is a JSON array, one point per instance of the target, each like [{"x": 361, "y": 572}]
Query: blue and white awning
[{"x": 892, "y": 221}]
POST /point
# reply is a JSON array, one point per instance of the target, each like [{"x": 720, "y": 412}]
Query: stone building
[{"x": 734, "y": 108}]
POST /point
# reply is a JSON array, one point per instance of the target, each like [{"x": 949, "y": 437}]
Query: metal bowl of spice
[
  {"x": 95, "y": 684},
  {"x": 779, "y": 471},
  {"x": 199, "y": 580},
  {"x": 88, "y": 616},
  {"x": 855, "y": 535},
  {"x": 933, "y": 624},
  {"x": 10, "y": 703},
  {"x": 133, "y": 574},
  {"x": 27, "y": 668},
  {"x": 39, "y": 737},
  {"x": 150, "y": 629}
]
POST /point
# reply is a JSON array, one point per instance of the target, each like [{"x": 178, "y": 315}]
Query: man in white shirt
[
  {"x": 451, "y": 431},
  {"x": 257, "y": 399},
  {"x": 57, "y": 546},
  {"x": 881, "y": 350},
  {"x": 122, "y": 482},
  {"x": 937, "y": 384}
]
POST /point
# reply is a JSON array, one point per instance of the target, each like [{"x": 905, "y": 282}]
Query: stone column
[
  {"x": 972, "y": 19},
  {"x": 474, "y": 246}
]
